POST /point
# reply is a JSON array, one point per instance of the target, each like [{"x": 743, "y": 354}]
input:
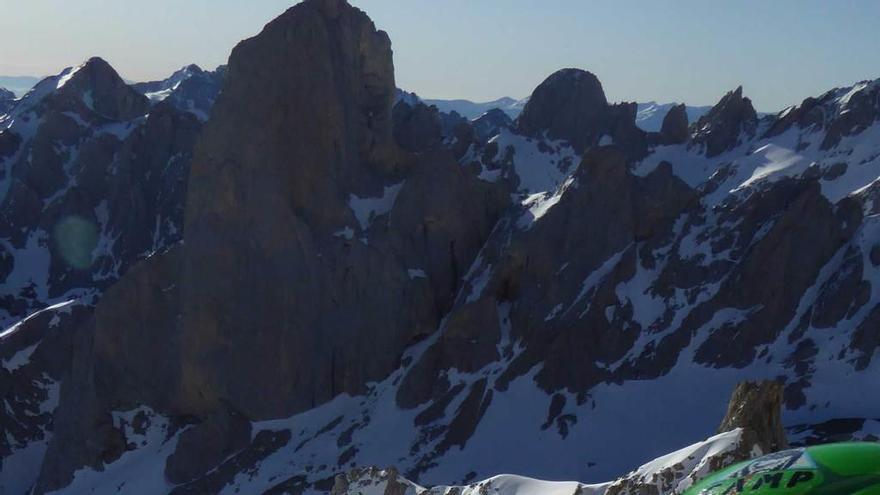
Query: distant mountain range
[
  {"x": 649, "y": 118},
  {"x": 472, "y": 110},
  {"x": 18, "y": 84}
]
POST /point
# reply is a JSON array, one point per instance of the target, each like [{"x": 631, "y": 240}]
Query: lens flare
[{"x": 75, "y": 239}]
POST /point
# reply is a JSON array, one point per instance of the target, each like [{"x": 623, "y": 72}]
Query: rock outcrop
[
  {"x": 301, "y": 130},
  {"x": 570, "y": 105},
  {"x": 840, "y": 112},
  {"x": 757, "y": 407},
  {"x": 731, "y": 121},
  {"x": 675, "y": 126}
]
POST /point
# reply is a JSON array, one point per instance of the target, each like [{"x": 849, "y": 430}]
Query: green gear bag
[{"x": 833, "y": 469}]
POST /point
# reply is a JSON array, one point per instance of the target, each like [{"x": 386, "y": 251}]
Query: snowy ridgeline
[
  {"x": 615, "y": 426},
  {"x": 671, "y": 474},
  {"x": 154, "y": 442}
]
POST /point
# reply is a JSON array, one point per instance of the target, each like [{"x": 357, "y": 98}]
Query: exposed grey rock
[
  {"x": 675, "y": 125},
  {"x": 301, "y": 166},
  {"x": 725, "y": 126},
  {"x": 571, "y": 105},
  {"x": 190, "y": 89},
  {"x": 757, "y": 406}
]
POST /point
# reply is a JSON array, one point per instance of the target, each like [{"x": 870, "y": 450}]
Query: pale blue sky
[{"x": 667, "y": 50}]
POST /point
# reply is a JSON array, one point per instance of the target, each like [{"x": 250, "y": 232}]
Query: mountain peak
[
  {"x": 305, "y": 111},
  {"x": 569, "y": 105},
  {"x": 102, "y": 90},
  {"x": 721, "y": 129},
  {"x": 674, "y": 129},
  {"x": 91, "y": 87}
]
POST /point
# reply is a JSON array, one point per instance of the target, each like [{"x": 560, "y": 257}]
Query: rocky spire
[
  {"x": 757, "y": 407},
  {"x": 675, "y": 126},
  {"x": 722, "y": 128},
  {"x": 303, "y": 124}
]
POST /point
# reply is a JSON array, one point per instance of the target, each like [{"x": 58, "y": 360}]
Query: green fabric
[{"x": 835, "y": 469}]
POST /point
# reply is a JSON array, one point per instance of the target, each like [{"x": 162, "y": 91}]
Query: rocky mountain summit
[
  {"x": 256, "y": 279},
  {"x": 189, "y": 89}
]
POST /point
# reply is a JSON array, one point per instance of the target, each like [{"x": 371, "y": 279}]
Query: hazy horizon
[{"x": 684, "y": 51}]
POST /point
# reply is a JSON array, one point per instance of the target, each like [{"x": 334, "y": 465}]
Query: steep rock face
[
  {"x": 675, "y": 125},
  {"x": 757, "y": 407},
  {"x": 571, "y": 105},
  {"x": 274, "y": 173},
  {"x": 286, "y": 211},
  {"x": 124, "y": 354}
]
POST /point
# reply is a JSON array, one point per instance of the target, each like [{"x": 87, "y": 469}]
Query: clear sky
[{"x": 666, "y": 50}]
